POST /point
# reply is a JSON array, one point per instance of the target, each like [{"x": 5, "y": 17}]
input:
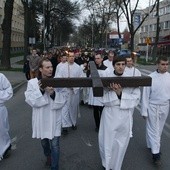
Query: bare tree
[
  {"x": 129, "y": 13},
  {"x": 103, "y": 12},
  {"x": 6, "y": 28}
]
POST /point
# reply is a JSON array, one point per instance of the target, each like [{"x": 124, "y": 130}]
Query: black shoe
[
  {"x": 7, "y": 152},
  {"x": 65, "y": 131},
  {"x": 156, "y": 159},
  {"x": 74, "y": 127},
  {"x": 82, "y": 102}
]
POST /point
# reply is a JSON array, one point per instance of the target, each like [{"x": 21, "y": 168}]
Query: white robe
[
  {"x": 6, "y": 93},
  {"x": 71, "y": 95},
  {"x": 116, "y": 125},
  {"x": 46, "y": 112},
  {"x": 155, "y": 106},
  {"x": 132, "y": 71},
  {"x": 96, "y": 101},
  {"x": 108, "y": 64},
  {"x": 58, "y": 66},
  {"x": 84, "y": 92}
]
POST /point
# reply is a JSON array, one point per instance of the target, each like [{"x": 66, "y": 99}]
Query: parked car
[{"x": 126, "y": 53}]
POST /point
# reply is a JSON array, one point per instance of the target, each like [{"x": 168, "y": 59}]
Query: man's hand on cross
[{"x": 116, "y": 88}]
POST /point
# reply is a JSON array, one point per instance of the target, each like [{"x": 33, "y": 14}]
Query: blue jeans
[{"x": 52, "y": 148}]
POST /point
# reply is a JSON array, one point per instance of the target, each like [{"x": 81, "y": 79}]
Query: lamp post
[
  {"x": 106, "y": 37},
  {"x": 147, "y": 47},
  {"x": 92, "y": 38},
  {"x": 44, "y": 34}
]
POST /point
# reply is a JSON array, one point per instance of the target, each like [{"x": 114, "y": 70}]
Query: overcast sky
[{"x": 142, "y": 4}]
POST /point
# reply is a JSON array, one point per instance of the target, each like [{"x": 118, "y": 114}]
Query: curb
[{"x": 17, "y": 87}]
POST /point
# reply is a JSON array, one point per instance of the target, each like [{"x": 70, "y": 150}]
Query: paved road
[{"x": 79, "y": 149}]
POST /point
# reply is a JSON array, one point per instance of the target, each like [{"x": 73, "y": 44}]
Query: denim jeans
[{"x": 52, "y": 148}]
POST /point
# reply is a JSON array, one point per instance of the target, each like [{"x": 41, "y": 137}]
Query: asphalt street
[{"x": 79, "y": 149}]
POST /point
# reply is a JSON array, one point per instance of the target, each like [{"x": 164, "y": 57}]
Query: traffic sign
[{"x": 148, "y": 40}]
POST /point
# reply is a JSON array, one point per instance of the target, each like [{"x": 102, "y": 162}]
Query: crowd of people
[{"x": 54, "y": 110}]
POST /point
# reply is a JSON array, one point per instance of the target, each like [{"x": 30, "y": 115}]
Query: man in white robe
[
  {"x": 132, "y": 71},
  {"x": 155, "y": 107},
  {"x": 116, "y": 120},
  {"x": 46, "y": 106},
  {"x": 94, "y": 101},
  {"x": 71, "y": 108},
  {"x": 63, "y": 61},
  {"x": 108, "y": 62},
  {"x": 130, "y": 68},
  {"x": 6, "y": 93}
]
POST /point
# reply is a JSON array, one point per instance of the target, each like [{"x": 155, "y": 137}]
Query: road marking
[
  {"x": 87, "y": 142},
  {"x": 14, "y": 142}
]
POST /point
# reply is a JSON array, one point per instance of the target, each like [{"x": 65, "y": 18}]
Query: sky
[{"x": 142, "y": 4}]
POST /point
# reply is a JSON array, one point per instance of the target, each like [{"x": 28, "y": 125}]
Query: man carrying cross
[{"x": 116, "y": 120}]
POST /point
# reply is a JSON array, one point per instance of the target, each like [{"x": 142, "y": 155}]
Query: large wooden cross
[{"x": 97, "y": 82}]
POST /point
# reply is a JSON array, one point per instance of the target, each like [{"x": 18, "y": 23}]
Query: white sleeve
[
  {"x": 130, "y": 98},
  {"x": 6, "y": 91},
  {"x": 145, "y": 101},
  {"x": 59, "y": 100},
  {"x": 34, "y": 97}
]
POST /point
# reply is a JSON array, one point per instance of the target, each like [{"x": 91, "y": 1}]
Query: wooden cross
[{"x": 96, "y": 82}]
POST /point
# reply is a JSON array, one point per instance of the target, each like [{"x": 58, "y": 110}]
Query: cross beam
[{"x": 96, "y": 82}]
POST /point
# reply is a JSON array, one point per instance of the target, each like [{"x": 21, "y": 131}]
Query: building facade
[
  {"x": 148, "y": 28},
  {"x": 17, "y": 35}
]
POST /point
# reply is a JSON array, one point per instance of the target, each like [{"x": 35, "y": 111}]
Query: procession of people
[{"x": 113, "y": 113}]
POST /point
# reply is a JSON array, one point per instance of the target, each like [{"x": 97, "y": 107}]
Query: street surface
[{"x": 79, "y": 149}]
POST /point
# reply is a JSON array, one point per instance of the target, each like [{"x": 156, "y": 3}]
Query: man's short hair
[
  {"x": 118, "y": 59},
  {"x": 40, "y": 64},
  {"x": 162, "y": 58}
]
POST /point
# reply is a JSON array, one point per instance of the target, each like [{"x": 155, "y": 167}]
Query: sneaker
[
  {"x": 48, "y": 161},
  {"x": 156, "y": 159},
  {"x": 7, "y": 152}
]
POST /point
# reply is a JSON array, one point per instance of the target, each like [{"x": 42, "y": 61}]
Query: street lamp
[
  {"x": 92, "y": 30},
  {"x": 44, "y": 32},
  {"x": 147, "y": 49}
]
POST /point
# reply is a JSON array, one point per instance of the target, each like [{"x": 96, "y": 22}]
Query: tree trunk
[
  {"x": 26, "y": 45},
  {"x": 6, "y": 28}
]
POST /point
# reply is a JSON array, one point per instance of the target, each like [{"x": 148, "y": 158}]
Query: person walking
[
  {"x": 71, "y": 108},
  {"x": 155, "y": 107},
  {"x": 108, "y": 62},
  {"x": 130, "y": 68},
  {"x": 94, "y": 101},
  {"x": 46, "y": 106},
  {"x": 6, "y": 93},
  {"x": 33, "y": 59},
  {"x": 116, "y": 120}
]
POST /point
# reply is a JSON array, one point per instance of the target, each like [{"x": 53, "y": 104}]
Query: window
[
  {"x": 167, "y": 9},
  {"x": 161, "y": 11},
  {"x": 166, "y": 25},
  {"x": 146, "y": 28}
]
